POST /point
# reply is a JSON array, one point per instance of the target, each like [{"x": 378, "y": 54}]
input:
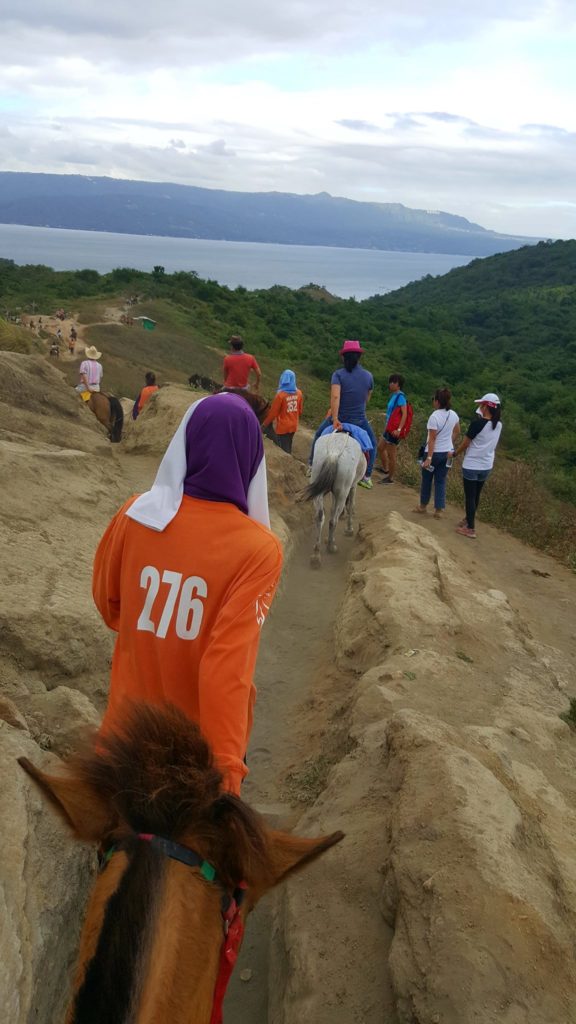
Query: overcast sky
[{"x": 458, "y": 105}]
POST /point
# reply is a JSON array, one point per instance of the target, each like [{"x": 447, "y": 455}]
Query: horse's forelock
[
  {"x": 158, "y": 774},
  {"x": 155, "y": 769}
]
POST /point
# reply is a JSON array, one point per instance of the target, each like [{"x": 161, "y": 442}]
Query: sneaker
[
  {"x": 466, "y": 532},
  {"x": 367, "y": 483},
  {"x": 386, "y": 480}
]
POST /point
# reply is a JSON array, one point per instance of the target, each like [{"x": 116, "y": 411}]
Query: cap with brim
[
  {"x": 488, "y": 399},
  {"x": 351, "y": 346},
  {"x": 92, "y": 352}
]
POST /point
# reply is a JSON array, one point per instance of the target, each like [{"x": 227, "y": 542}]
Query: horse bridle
[{"x": 230, "y": 907}]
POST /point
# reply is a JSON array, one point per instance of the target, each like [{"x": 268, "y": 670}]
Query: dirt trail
[{"x": 295, "y": 671}]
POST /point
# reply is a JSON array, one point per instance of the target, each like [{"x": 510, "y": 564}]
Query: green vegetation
[
  {"x": 570, "y": 716},
  {"x": 16, "y": 339},
  {"x": 506, "y": 323}
]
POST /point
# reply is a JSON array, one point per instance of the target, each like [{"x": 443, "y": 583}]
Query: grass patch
[
  {"x": 570, "y": 716},
  {"x": 304, "y": 785},
  {"x": 18, "y": 339}
]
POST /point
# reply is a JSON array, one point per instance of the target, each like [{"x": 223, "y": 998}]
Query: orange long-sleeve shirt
[
  {"x": 286, "y": 410},
  {"x": 188, "y": 605}
]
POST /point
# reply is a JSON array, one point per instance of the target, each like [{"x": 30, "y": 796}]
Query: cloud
[
  {"x": 446, "y": 118},
  {"x": 356, "y": 125},
  {"x": 154, "y": 34}
]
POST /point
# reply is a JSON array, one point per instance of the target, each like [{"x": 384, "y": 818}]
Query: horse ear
[
  {"x": 291, "y": 853},
  {"x": 81, "y": 808}
]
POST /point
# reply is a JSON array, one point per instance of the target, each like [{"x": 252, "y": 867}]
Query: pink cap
[{"x": 351, "y": 346}]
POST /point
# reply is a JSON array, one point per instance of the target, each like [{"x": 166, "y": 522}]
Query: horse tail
[
  {"x": 324, "y": 482},
  {"x": 116, "y": 419}
]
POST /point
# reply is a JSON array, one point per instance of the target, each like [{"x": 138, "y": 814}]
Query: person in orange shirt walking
[
  {"x": 238, "y": 366},
  {"x": 185, "y": 574},
  {"x": 285, "y": 411}
]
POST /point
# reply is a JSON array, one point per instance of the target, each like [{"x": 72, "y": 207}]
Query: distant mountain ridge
[{"x": 185, "y": 211}]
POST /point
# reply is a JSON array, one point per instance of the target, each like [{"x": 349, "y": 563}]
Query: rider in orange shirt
[
  {"x": 285, "y": 411},
  {"x": 145, "y": 394},
  {"x": 238, "y": 366},
  {"x": 186, "y": 574}
]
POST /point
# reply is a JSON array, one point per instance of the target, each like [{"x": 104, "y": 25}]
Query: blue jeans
[
  {"x": 364, "y": 424},
  {"x": 438, "y": 478}
]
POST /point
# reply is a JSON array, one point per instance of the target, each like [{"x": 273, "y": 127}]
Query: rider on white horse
[{"x": 351, "y": 389}]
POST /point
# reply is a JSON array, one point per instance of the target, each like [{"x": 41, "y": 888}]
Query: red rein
[{"x": 228, "y": 957}]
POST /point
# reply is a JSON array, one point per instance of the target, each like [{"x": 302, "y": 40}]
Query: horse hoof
[
  {"x": 315, "y": 562},
  {"x": 349, "y": 532},
  {"x": 332, "y": 549}
]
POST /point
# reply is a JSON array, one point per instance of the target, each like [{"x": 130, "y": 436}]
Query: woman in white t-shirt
[
  {"x": 479, "y": 445},
  {"x": 443, "y": 429}
]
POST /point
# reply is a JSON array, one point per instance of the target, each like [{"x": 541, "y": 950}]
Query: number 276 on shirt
[{"x": 184, "y": 600}]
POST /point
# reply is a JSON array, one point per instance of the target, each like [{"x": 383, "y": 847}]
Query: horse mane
[
  {"x": 157, "y": 773},
  {"x": 257, "y": 403}
]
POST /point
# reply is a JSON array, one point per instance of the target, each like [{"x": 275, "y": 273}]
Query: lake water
[{"x": 344, "y": 272}]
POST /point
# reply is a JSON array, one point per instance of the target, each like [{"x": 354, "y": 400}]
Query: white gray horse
[{"x": 338, "y": 465}]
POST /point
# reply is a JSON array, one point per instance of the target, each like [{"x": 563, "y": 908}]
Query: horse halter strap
[{"x": 230, "y": 906}]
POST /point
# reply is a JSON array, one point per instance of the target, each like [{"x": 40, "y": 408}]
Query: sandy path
[{"x": 295, "y": 666}]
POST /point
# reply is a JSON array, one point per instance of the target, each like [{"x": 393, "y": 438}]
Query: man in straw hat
[{"x": 91, "y": 371}]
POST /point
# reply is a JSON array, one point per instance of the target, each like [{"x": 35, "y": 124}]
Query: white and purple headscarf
[{"x": 216, "y": 454}]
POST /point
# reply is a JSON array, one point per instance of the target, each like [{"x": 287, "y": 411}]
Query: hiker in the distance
[
  {"x": 285, "y": 412},
  {"x": 239, "y": 365},
  {"x": 479, "y": 447},
  {"x": 396, "y": 415},
  {"x": 351, "y": 390}
]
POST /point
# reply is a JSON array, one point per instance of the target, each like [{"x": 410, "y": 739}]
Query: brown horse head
[
  {"x": 153, "y": 933},
  {"x": 257, "y": 403}
]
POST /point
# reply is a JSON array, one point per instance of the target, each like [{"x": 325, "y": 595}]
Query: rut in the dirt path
[{"x": 289, "y": 742}]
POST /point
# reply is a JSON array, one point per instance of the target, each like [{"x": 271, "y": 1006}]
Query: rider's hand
[{"x": 396, "y": 432}]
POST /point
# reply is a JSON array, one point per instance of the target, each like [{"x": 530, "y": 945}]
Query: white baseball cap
[{"x": 489, "y": 399}]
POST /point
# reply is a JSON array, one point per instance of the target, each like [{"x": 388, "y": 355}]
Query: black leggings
[{"x": 472, "y": 492}]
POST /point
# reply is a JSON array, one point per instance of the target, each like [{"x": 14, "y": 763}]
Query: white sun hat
[{"x": 488, "y": 399}]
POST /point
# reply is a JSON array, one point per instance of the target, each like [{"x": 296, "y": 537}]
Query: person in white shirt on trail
[
  {"x": 443, "y": 429},
  {"x": 91, "y": 371},
  {"x": 479, "y": 445}
]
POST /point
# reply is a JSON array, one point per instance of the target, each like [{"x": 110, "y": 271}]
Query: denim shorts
[
  {"x": 476, "y": 474},
  {"x": 389, "y": 438}
]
